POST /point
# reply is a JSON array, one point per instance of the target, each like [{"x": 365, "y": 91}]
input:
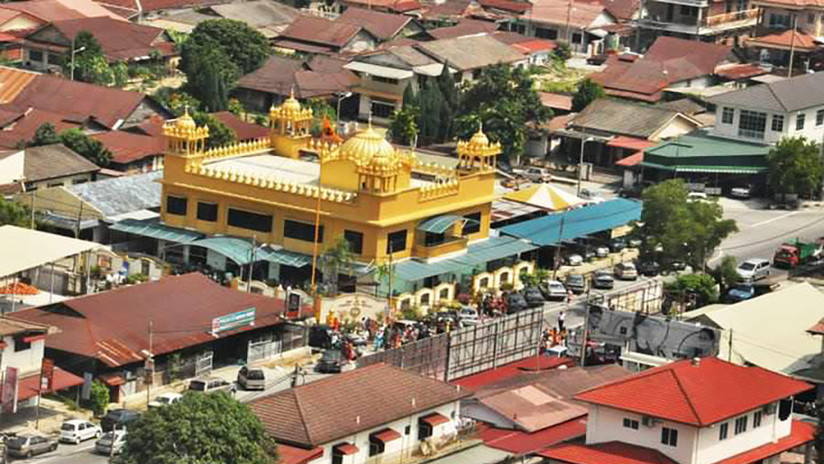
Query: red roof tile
[
  {"x": 556, "y": 100},
  {"x": 784, "y": 41},
  {"x": 320, "y": 31},
  {"x": 511, "y": 370},
  {"x": 557, "y": 12},
  {"x": 294, "y": 455},
  {"x": 701, "y": 395},
  {"x": 611, "y": 452},
  {"x": 112, "y": 326},
  {"x": 801, "y": 433},
  {"x": 57, "y": 10},
  {"x": 512, "y": 6},
  {"x": 397, "y": 6},
  {"x": 382, "y": 25},
  {"x": 624, "y": 10},
  {"x": 518, "y": 442},
  {"x": 632, "y": 160},
  {"x": 128, "y": 147},
  {"x": 244, "y": 130},
  {"x": 323, "y": 76},
  {"x": 631, "y": 143},
  {"x": 740, "y": 71},
  {"x": 463, "y": 28},
  {"x": 28, "y": 387},
  {"x": 26, "y": 122},
  {"x": 336, "y": 407}
]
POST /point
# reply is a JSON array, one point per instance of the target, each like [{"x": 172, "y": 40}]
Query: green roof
[
  {"x": 700, "y": 152},
  {"x": 707, "y": 168},
  {"x": 239, "y": 250},
  {"x": 152, "y": 228}
]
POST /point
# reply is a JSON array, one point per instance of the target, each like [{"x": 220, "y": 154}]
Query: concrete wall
[
  {"x": 12, "y": 168},
  {"x": 27, "y": 361},
  {"x": 790, "y": 129}
]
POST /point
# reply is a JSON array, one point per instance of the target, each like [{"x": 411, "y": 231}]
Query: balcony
[
  {"x": 731, "y": 20},
  {"x": 708, "y": 26},
  {"x": 433, "y": 250}
]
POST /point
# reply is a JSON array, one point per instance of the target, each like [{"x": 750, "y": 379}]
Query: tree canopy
[
  {"x": 85, "y": 146},
  {"x": 796, "y": 166},
  {"x": 219, "y": 134},
  {"x": 200, "y": 429},
  {"x": 587, "y": 93},
  {"x": 697, "y": 287},
  {"x": 90, "y": 64},
  {"x": 504, "y": 101},
  {"x": 673, "y": 229},
  {"x": 13, "y": 213}
]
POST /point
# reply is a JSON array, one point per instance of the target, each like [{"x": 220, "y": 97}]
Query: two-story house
[
  {"x": 375, "y": 414},
  {"x": 765, "y": 113},
  {"x": 699, "y": 411},
  {"x": 786, "y": 26},
  {"x": 716, "y": 21}
]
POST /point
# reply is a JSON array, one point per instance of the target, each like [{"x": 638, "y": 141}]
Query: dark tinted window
[
  {"x": 250, "y": 220},
  {"x": 254, "y": 374},
  {"x": 473, "y": 225},
  {"x": 301, "y": 231},
  {"x": 176, "y": 205},
  {"x": 396, "y": 241},
  {"x": 355, "y": 240},
  {"x": 207, "y": 211}
]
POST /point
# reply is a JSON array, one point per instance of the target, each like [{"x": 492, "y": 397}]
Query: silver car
[
  {"x": 26, "y": 446},
  {"x": 111, "y": 443},
  {"x": 250, "y": 378},
  {"x": 754, "y": 269}
]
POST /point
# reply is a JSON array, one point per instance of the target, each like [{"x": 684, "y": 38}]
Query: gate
[
  {"x": 203, "y": 363},
  {"x": 264, "y": 347}
]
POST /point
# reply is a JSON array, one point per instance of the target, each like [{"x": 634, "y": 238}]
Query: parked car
[
  {"x": 617, "y": 244},
  {"x": 26, "y": 446},
  {"x": 515, "y": 302},
  {"x": 626, "y": 271},
  {"x": 553, "y": 290},
  {"x": 165, "y": 399},
  {"x": 649, "y": 268},
  {"x": 749, "y": 290},
  {"x": 745, "y": 191},
  {"x": 697, "y": 196},
  {"x": 468, "y": 316},
  {"x": 587, "y": 194},
  {"x": 537, "y": 175},
  {"x": 574, "y": 260},
  {"x": 210, "y": 385},
  {"x": 77, "y": 430},
  {"x": 601, "y": 252},
  {"x": 320, "y": 336},
  {"x": 251, "y": 378},
  {"x": 577, "y": 283},
  {"x": 111, "y": 443},
  {"x": 331, "y": 362},
  {"x": 118, "y": 419},
  {"x": 603, "y": 280},
  {"x": 754, "y": 269},
  {"x": 533, "y": 297}
]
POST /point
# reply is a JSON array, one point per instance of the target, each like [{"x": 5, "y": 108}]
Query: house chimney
[{"x": 696, "y": 362}]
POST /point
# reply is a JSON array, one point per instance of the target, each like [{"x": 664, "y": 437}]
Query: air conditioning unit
[
  {"x": 768, "y": 409},
  {"x": 647, "y": 421}
]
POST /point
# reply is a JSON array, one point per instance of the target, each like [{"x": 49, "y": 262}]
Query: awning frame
[{"x": 440, "y": 224}]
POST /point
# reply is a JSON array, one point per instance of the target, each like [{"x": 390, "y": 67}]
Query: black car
[
  {"x": 603, "y": 279},
  {"x": 118, "y": 419},
  {"x": 331, "y": 362},
  {"x": 649, "y": 268},
  {"x": 320, "y": 336},
  {"x": 617, "y": 244},
  {"x": 533, "y": 297},
  {"x": 515, "y": 302},
  {"x": 577, "y": 283}
]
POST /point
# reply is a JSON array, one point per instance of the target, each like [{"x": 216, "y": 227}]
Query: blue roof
[{"x": 545, "y": 231}]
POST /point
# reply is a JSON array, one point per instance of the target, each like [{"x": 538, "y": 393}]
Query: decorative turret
[
  {"x": 289, "y": 126},
  {"x": 478, "y": 154},
  {"x": 183, "y": 137}
]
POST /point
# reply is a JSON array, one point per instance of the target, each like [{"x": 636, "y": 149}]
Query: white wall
[
  {"x": 12, "y": 168},
  {"x": 406, "y": 444},
  {"x": 60, "y": 181},
  {"x": 26, "y": 361},
  {"x": 711, "y": 449},
  {"x": 811, "y": 131}
]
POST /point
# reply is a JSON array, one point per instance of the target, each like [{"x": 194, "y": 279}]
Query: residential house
[
  {"x": 464, "y": 27},
  {"x": 45, "y": 166},
  {"x": 317, "y": 77},
  {"x": 244, "y": 131},
  {"x": 539, "y": 51},
  {"x": 669, "y": 63},
  {"x": 470, "y": 54},
  {"x": 788, "y": 26},
  {"x": 581, "y": 24},
  {"x": 767, "y": 112},
  {"x": 268, "y": 17},
  {"x": 372, "y": 421},
  {"x": 408, "y": 7},
  {"x": 383, "y": 26},
  {"x": 447, "y": 12},
  {"x": 33, "y": 14},
  {"x": 137, "y": 10},
  {"x": 313, "y": 35},
  {"x": 46, "y": 48},
  {"x": 729, "y": 22},
  {"x": 699, "y": 411},
  {"x": 133, "y": 152},
  {"x": 21, "y": 356},
  {"x": 110, "y": 334}
]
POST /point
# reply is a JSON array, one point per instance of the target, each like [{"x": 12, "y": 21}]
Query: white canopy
[{"x": 23, "y": 249}]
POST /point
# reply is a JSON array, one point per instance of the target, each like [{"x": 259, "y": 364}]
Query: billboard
[{"x": 234, "y": 320}]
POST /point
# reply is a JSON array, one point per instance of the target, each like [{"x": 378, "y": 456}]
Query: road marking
[{"x": 759, "y": 224}]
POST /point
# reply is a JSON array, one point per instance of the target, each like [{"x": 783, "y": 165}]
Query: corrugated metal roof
[
  {"x": 786, "y": 95},
  {"x": 545, "y": 231},
  {"x": 439, "y": 224},
  {"x": 239, "y": 250},
  {"x": 12, "y": 82},
  {"x": 24, "y": 249},
  {"x": 154, "y": 229},
  {"x": 380, "y": 71},
  {"x": 121, "y": 195}
]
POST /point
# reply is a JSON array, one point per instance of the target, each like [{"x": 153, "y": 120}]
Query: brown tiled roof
[
  {"x": 128, "y": 147},
  {"x": 57, "y": 10},
  {"x": 21, "y": 125},
  {"x": 320, "y": 31},
  {"x": 54, "y": 161},
  {"x": 244, "y": 130},
  {"x": 112, "y": 327},
  {"x": 557, "y": 11},
  {"x": 384, "y": 26},
  {"x": 157, "y": 5},
  {"x": 556, "y": 100},
  {"x": 322, "y": 76},
  {"x": 785, "y": 41},
  {"x": 449, "y": 8},
  {"x": 339, "y": 406},
  {"x": 119, "y": 40},
  {"x": 463, "y": 28},
  {"x": 397, "y": 6},
  {"x": 11, "y": 326},
  {"x": 511, "y": 6},
  {"x": 623, "y": 10},
  {"x": 78, "y": 101}
]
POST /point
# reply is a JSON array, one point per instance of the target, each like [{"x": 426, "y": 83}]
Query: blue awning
[
  {"x": 154, "y": 229},
  {"x": 440, "y": 224},
  {"x": 477, "y": 255},
  {"x": 546, "y": 230}
]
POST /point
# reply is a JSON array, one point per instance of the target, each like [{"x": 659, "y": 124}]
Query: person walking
[{"x": 561, "y": 317}]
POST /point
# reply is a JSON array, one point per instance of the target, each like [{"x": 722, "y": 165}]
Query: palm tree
[{"x": 338, "y": 256}]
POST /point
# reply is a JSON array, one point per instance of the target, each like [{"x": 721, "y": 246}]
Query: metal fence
[
  {"x": 646, "y": 296},
  {"x": 463, "y": 352}
]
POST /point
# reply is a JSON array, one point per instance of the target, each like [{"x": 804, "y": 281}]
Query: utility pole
[
  {"x": 251, "y": 262},
  {"x": 33, "y": 200},
  {"x": 149, "y": 372},
  {"x": 558, "y": 251},
  {"x": 729, "y": 353},
  {"x": 79, "y": 218},
  {"x": 389, "y": 274},
  {"x": 792, "y": 45},
  {"x": 584, "y": 329}
]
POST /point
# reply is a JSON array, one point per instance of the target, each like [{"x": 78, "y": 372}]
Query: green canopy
[
  {"x": 152, "y": 228},
  {"x": 239, "y": 250}
]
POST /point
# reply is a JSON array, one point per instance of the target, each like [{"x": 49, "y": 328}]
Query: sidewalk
[{"x": 52, "y": 414}]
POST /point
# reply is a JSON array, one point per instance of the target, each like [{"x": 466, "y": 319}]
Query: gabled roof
[
  {"x": 243, "y": 130},
  {"x": 700, "y": 395},
  {"x": 54, "y": 161},
  {"x": 613, "y": 452},
  {"x": 57, "y": 10},
  {"x": 384, "y": 26},
  {"x": 558, "y": 12},
  {"x": 258, "y": 13},
  {"x": 620, "y": 117},
  {"x": 128, "y": 147},
  {"x": 157, "y": 5},
  {"x": 471, "y": 52},
  {"x": 322, "y": 76},
  {"x": 321, "y": 31},
  {"x": 327, "y": 410},
  {"x": 21, "y": 125},
  {"x": 112, "y": 326},
  {"x": 120, "y": 195},
  {"x": 785, "y": 95},
  {"x": 623, "y": 10},
  {"x": 463, "y": 28},
  {"x": 396, "y": 6}
]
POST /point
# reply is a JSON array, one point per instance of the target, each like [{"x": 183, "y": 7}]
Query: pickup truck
[{"x": 795, "y": 252}]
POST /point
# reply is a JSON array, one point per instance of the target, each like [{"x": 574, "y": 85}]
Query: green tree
[
  {"x": 120, "y": 74},
  {"x": 673, "y": 229},
  {"x": 235, "y": 107},
  {"x": 504, "y": 101},
  {"x": 429, "y": 121},
  {"x": 90, "y": 64},
  {"x": 410, "y": 98},
  {"x": 15, "y": 214},
  {"x": 726, "y": 273},
  {"x": 339, "y": 258},
  {"x": 587, "y": 93},
  {"x": 404, "y": 127},
  {"x": 563, "y": 51},
  {"x": 99, "y": 398},
  {"x": 44, "y": 135},
  {"x": 176, "y": 100},
  {"x": 200, "y": 429},
  {"x": 697, "y": 287},
  {"x": 219, "y": 133},
  {"x": 451, "y": 100},
  {"x": 85, "y": 146},
  {"x": 796, "y": 166}
]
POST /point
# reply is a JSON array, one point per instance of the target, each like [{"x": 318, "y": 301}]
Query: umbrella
[{"x": 546, "y": 196}]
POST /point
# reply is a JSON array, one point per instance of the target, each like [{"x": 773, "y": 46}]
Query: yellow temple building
[{"x": 262, "y": 198}]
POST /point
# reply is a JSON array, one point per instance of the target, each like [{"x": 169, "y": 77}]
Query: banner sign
[
  {"x": 8, "y": 396},
  {"x": 293, "y": 305},
  {"x": 46, "y": 375},
  {"x": 234, "y": 320}
]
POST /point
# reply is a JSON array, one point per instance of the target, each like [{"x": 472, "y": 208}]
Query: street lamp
[
  {"x": 581, "y": 162},
  {"x": 341, "y": 96},
  {"x": 75, "y": 51}
]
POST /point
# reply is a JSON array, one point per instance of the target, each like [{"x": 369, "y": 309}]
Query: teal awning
[
  {"x": 239, "y": 250},
  {"x": 477, "y": 255},
  {"x": 439, "y": 224},
  {"x": 152, "y": 228},
  {"x": 707, "y": 169}
]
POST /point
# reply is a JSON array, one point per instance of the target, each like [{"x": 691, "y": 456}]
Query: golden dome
[
  {"x": 185, "y": 121},
  {"x": 479, "y": 139},
  {"x": 368, "y": 147}
]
